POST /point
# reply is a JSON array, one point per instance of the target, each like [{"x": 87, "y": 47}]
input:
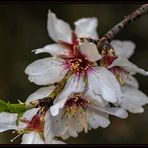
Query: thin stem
[{"x": 127, "y": 20}]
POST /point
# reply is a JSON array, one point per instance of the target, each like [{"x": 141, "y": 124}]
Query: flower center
[
  {"x": 75, "y": 61},
  {"x": 78, "y": 65},
  {"x": 37, "y": 121},
  {"x": 119, "y": 73},
  {"x": 108, "y": 56},
  {"x": 76, "y": 108},
  {"x": 75, "y": 105}
]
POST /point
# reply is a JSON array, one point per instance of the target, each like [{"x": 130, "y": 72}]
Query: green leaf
[
  {"x": 12, "y": 108},
  {"x": 3, "y": 106},
  {"x": 18, "y": 118}
]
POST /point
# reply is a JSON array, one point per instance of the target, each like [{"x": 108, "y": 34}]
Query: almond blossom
[
  {"x": 72, "y": 114},
  {"x": 74, "y": 55},
  {"x": 115, "y": 58},
  {"x": 30, "y": 126}
]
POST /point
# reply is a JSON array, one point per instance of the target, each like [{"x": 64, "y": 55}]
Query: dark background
[{"x": 23, "y": 27}]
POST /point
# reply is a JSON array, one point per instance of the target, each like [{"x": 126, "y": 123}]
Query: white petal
[
  {"x": 53, "y": 49},
  {"x": 123, "y": 48},
  {"x": 57, "y": 142},
  {"x": 132, "y": 107},
  {"x": 80, "y": 84},
  {"x": 96, "y": 99},
  {"x": 116, "y": 111},
  {"x": 8, "y": 121},
  {"x": 96, "y": 120},
  {"x": 87, "y": 27},
  {"x": 73, "y": 85},
  {"x": 66, "y": 135},
  {"x": 58, "y": 29},
  {"x": 72, "y": 132},
  {"x": 45, "y": 71},
  {"x": 89, "y": 50},
  {"x": 128, "y": 66},
  {"x": 56, "y": 107},
  {"x": 49, "y": 132},
  {"x": 32, "y": 138},
  {"x": 133, "y": 99},
  {"x": 60, "y": 124},
  {"x": 75, "y": 124},
  {"x": 132, "y": 81},
  {"x": 104, "y": 83},
  {"x": 40, "y": 93}
]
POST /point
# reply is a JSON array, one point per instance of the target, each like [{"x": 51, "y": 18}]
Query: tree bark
[{"x": 127, "y": 20}]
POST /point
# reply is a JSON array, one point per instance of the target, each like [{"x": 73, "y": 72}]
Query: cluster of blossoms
[{"x": 82, "y": 85}]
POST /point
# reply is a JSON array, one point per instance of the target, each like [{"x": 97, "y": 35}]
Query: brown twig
[{"x": 127, "y": 20}]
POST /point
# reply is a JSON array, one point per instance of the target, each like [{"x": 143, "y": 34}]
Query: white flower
[
  {"x": 28, "y": 126},
  {"x": 116, "y": 61},
  {"x": 79, "y": 112},
  {"x": 74, "y": 55},
  {"x": 8, "y": 122},
  {"x": 124, "y": 50},
  {"x": 73, "y": 110},
  {"x": 50, "y": 70}
]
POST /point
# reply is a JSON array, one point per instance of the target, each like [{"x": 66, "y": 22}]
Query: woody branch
[{"x": 121, "y": 25}]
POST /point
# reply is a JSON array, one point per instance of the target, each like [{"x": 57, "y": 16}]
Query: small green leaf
[
  {"x": 18, "y": 118},
  {"x": 3, "y": 106},
  {"x": 20, "y": 102},
  {"x": 12, "y": 108}
]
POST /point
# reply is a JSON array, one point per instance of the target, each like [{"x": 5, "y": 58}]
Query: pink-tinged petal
[
  {"x": 123, "y": 48},
  {"x": 8, "y": 121},
  {"x": 32, "y": 138},
  {"x": 27, "y": 116},
  {"x": 87, "y": 27},
  {"x": 104, "y": 83},
  {"x": 46, "y": 71},
  {"x": 127, "y": 66},
  {"x": 89, "y": 50},
  {"x": 133, "y": 99},
  {"x": 52, "y": 49},
  {"x": 58, "y": 29}
]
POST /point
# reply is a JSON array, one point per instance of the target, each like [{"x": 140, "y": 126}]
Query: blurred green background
[{"x": 23, "y": 27}]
